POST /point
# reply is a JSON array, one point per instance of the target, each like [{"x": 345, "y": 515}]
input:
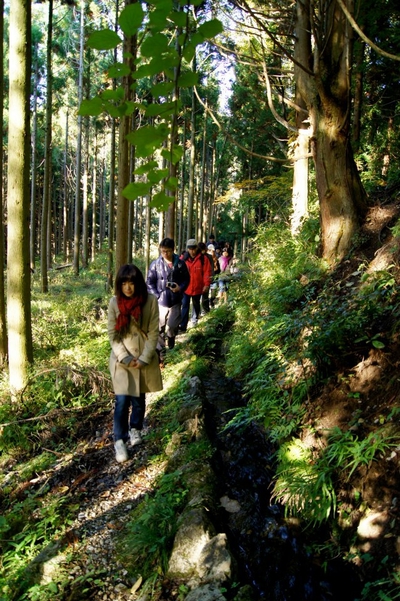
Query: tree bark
[
  {"x": 3, "y": 323},
  {"x": 33, "y": 157},
  {"x": 122, "y": 214},
  {"x": 324, "y": 84},
  {"x": 77, "y": 221},
  {"x": 191, "y": 192},
  {"x": 18, "y": 263},
  {"x": 44, "y": 263}
]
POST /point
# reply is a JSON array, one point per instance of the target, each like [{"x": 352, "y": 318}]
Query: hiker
[
  {"x": 212, "y": 240},
  {"x": 205, "y": 297},
  {"x": 133, "y": 335},
  {"x": 167, "y": 278},
  {"x": 224, "y": 276},
  {"x": 215, "y": 271},
  {"x": 200, "y": 273}
]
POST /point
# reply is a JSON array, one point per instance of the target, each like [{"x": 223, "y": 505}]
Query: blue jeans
[
  {"x": 185, "y": 309},
  {"x": 122, "y": 424}
]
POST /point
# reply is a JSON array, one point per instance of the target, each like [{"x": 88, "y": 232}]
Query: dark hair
[
  {"x": 202, "y": 246},
  {"x": 167, "y": 243},
  {"x": 131, "y": 273}
]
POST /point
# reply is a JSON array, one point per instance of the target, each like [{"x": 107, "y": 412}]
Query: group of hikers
[{"x": 146, "y": 315}]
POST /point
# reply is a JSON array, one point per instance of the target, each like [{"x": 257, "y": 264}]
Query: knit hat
[
  {"x": 192, "y": 243},
  {"x": 211, "y": 247}
]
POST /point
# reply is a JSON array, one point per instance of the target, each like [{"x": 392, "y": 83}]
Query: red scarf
[{"x": 128, "y": 307}]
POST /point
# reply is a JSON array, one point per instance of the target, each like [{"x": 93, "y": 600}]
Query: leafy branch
[{"x": 169, "y": 35}]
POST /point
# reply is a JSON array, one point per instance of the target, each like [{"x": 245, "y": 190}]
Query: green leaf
[
  {"x": 211, "y": 28},
  {"x": 173, "y": 155},
  {"x": 179, "y": 18},
  {"x": 131, "y": 18},
  {"x": 146, "y": 167},
  {"x": 161, "y": 201},
  {"x": 154, "y": 45},
  {"x": 92, "y": 106},
  {"x": 52, "y": 587},
  {"x": 148, "y": 138},
  {"x": 118, "y": 70},
  {"x": 111, "y": 94},
  {"x": 171, "y": 184},
  {"x": 135, "y": 189},
  {"x": 378, "y": 344},
  {"x": 157, "y": 175},
  {"x": 145, "y": 71},
  {"x": 197, "y": 39},
  {"x": 162, "y": 89},
  {"x": 113, "y": 110},
  {"x": 129, "y": 107},
  {"x": 188, "y": 52},
  {"x": 165, "y": 109},
  {"x": 105, "y": 39},
  {"x": 158, "y": 17},
  {"x": 186, "y": 80}
]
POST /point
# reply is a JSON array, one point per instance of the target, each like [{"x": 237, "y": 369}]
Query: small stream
[{"x": 271, "y": 553}]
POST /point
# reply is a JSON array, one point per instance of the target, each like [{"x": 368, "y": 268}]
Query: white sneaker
[
  {"x": 121, "y": 452},
  {"x": 136, "y": 437}
]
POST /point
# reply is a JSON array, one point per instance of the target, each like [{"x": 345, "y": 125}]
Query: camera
[{"x": 171, "y": 284}]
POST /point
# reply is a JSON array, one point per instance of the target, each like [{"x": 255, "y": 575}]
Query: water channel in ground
[{"x": 272, "y": 553}]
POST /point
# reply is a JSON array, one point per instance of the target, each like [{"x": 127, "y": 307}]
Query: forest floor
[{"x": 365, "y": 388}]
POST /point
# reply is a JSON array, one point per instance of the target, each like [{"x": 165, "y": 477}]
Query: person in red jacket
[{"x": 200, "y": 279}]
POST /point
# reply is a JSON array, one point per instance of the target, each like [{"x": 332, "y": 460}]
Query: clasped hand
[{"x": 135, "y": 363}]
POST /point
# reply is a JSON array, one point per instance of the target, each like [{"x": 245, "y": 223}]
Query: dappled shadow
[{"x": 105, "y": 492}]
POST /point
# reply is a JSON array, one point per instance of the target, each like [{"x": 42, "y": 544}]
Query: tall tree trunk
[
  {"x": 102, "y": 203},
  {"x": 325, "y": 88},
  {"x": 192, "y": 159},
  {"x": 47, "y": 158},
  {"x": 180, "y": 237},
  {"x": 302, "y": 145},
  {"x": 358, "y": 92},
  {"x": 111, "y": 211},
  {"x": 77, "y": 221},
  {"x": 65, "y": 230},
  {"x": 94, "y": 197},
  {"x": 388, "y": 148},
  {"x": 147, "y": 234},
  {"x": 212, "y": 191},
  {"x": 85, "y": 194},
  {"x": 3, "y": 325},
  {"x": 33, "y": 158},
  {"x": 121, "y": 242},
  {"x": 18, "y": 262},
  {"x": 131, "y": 209},
  {"x": 200, "y": 225}
]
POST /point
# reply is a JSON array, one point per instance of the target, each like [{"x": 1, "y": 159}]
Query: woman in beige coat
[{"x": 134, "y": 366}]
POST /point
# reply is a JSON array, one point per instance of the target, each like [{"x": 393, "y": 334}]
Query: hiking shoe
[
  {"x": 171, "y": 342},
  {"x": 135, "y": 436},
  {"x": 121, "y": 453}
]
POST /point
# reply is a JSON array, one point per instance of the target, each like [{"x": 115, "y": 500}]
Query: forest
[{"x": 270, "y": 463}]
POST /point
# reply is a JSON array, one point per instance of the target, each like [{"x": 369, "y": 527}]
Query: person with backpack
[
  {"x": 199, "y": 268},
  {"x": 167, "y": 278}
]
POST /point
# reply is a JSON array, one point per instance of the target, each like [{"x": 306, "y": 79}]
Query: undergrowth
[
  {"x": 289, "y": 324},
  {"x": 296, "y": 322}
]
